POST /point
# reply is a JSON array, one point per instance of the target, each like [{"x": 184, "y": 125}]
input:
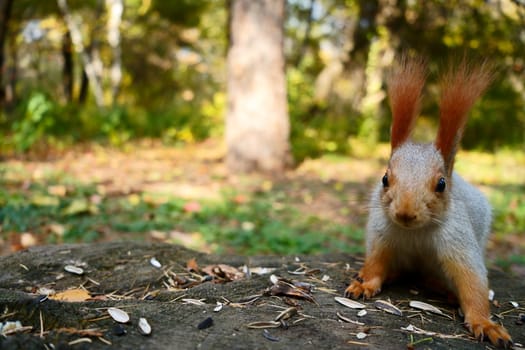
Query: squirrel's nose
[{"x": 406, "y": 217}]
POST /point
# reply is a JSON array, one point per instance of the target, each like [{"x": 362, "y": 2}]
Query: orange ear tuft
[
  {"x": 461, "y": 87},
  {"x": 404, "y": 91}
]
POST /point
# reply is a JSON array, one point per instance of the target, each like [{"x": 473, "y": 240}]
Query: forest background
[{"x": 96, "y": 81}]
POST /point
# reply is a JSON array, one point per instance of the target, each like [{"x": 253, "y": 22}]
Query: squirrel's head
[
  {"x": 418, "y": 179},
  {"x": 415, "y": 185}
]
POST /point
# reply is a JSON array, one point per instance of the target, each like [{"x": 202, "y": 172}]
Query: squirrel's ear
[
  {"x": 460, "y": 88},
  {"x": 405, "y": 84}
]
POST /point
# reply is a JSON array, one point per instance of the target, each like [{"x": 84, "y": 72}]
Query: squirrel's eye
[
  {"x": 385, "y": 180},
  {"x": 440, "y": 187}
]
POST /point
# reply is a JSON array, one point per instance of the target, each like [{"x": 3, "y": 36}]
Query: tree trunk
[
  {"x": 11, "y": 74},
  {"x": 257, "y": 123},
  {"x": 84, "y": 84},
  {"x": 5, "y": 13},
  {"x": 87, "y": 60},
  {"x": 115, "y": 9},
  {"x": 67, "y": 69}
]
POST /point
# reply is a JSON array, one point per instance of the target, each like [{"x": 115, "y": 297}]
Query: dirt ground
[{"x": 196, "y": 301}]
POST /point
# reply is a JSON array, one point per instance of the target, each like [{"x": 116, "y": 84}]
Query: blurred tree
[
  {"x": 115, "y": 8},
  {"x": 90, "y": 61},
  {"x": 257, "y": 124},
  {"x": 67, "y": 56},
  {"x": 5, "y": 14},
  {"x": 161, "y": 67}
]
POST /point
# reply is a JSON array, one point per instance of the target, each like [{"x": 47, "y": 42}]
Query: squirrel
[{"x": 423, "y": 216}]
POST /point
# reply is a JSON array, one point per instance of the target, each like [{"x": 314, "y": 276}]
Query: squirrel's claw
[
  {"x": 359, "y": 287},
  {"x": 496, "y": 333}
]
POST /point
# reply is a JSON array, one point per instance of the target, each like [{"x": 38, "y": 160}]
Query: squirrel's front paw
[
  {"x": 496, "y": 333},
  {"x": 367, "y": 288}
]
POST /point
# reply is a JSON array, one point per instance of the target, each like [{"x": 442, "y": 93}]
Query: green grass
[{"x": 254, "y": 226}]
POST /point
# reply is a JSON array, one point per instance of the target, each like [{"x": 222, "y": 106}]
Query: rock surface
[{"x": 120, "y": 274}]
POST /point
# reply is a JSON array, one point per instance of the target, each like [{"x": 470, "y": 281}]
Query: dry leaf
[
  {"x": 28, "y": 240},
  {"x": 89, "y": 332},
  {"x": 192, "y": 207},
  {"x": 57, "y": 190},
  {"x": 223, "y": 272},
  {"x": 71, "y": 295},
  {"x": 288, "y": 288},
  {"x": 192, "y": 265}
]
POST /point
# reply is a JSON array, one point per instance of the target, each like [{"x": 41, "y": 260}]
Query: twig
[
  {"x": 357, "y": 343},
  {"x": 105, "y": 341},
  {"x": 413, "y": 329},
  {"x": 41, "y": 325},
  {"x": 7, "y": 315},
  {"x": 80, "y": 340}
]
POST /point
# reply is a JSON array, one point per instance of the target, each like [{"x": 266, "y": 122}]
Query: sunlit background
[{"x": 113, "y": 118}]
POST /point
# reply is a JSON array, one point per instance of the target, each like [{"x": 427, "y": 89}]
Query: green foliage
[
  {"x": 509, "y": 212},
  {"x": 36, "y": 121},
  {"x": 186, "y": 12},
  {"x": 314, "y": 130},
  {"x": 497, "y": 119},
  {"x": 45, "y": 122},
  {"x": 173, "y": 71}
]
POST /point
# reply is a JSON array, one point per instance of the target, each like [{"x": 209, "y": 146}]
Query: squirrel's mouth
[{"x": 407, "y": 220}]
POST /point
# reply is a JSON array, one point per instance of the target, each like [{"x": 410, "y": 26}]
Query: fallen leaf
[
  {"x": 28, "y": 240},
  {"x": 44, "y": 201},
  {"x": 224, "y": 273},
  {"x": 240, "y": 199},
  {"x": 134, "y": 199},
  {"x": 57, "y": 190},
  {"x": 192, "y": 207},
  {"x": 57, "y": 229},
  {"x": 281, "y": 286},
  {"x": 71, "y": 295},
  {"x": 192, "y": 265},
  {"x": 79, "y": 206}
]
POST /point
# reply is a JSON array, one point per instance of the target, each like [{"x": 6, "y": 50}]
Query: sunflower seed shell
[
  {"x": 144, "y": 327},
  {"x": 349, "y": 303},
  {"x": 386, "y": 306},
  {"x": 425, "y": 307},
  {"x": 118, "y": 315}
]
